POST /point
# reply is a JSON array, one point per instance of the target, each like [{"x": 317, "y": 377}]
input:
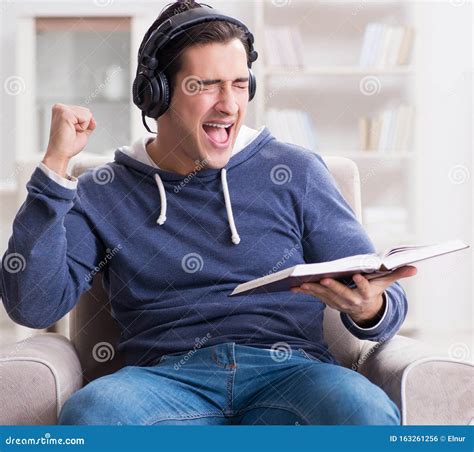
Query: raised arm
[{"x": 53, "y": 248}]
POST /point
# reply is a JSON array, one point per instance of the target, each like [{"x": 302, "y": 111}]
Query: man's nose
[{"x": 227, "y": 103}]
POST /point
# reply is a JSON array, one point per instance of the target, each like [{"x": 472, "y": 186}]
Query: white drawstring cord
[
  {"x": 228, "y": 206},
  {"x": 162, "y": 218}
]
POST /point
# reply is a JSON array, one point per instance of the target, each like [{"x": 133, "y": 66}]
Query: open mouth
[{"x": 218, "y": 134}]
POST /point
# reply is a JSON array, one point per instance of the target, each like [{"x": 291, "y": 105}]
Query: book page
[
  {"x": 360, "y": 262},
  {"x": 406, "y": 255},
  {"x": 401, "y": 248}
]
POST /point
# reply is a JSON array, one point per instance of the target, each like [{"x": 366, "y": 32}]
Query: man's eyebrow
[{"x": 214, "y": 82}]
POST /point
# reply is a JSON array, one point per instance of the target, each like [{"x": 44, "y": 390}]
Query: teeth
[{"x": 222, "y": 126}]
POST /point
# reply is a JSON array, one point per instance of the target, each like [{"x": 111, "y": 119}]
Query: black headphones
[{"x": 151, "y": 89}]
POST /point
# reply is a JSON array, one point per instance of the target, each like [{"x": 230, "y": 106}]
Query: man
[{"x": 176, "y": 222}]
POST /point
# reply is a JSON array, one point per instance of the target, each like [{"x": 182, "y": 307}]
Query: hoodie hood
[{"x": 249, "y": 141}]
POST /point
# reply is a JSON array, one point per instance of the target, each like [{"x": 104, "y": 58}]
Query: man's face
[{"x": 211, "y": 88}]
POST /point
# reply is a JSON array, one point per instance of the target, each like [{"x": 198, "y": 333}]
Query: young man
[{"x": 207, "y": 204}]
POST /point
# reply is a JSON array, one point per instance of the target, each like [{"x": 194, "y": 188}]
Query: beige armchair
[{"x": 41, "y": 372}]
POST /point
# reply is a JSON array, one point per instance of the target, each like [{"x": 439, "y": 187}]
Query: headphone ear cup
[
  {"x": 142, "y": 92},
  {"x": 252, "y": 85},
  {"x": 161, "y": 95},
  {"x": 151, "y": 96}
]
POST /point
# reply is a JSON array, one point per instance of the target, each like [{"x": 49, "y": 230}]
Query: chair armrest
[
  {"x": 428, "y": 388},
  {"x": 38, "y": 375}
]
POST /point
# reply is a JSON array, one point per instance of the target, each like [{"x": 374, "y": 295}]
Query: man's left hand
[{"x": 364, "y": 302}]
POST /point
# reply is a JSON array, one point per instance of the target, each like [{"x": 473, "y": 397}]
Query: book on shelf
[
  {"x": 386, "y": 45},
  {"x": 372, "y": 266},
  {"x": 388, "y": 131},
  {"x": 283, "y": 46},
  {"x": 292, "y": 126}
]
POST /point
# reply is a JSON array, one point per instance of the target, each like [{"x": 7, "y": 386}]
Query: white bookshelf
[{"x": 327, "y": 87}]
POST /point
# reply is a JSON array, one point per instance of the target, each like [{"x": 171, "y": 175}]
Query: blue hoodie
[{"x": 171, "y": 249}]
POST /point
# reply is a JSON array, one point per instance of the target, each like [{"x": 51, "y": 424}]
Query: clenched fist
[{"x": 71, "y": 127}]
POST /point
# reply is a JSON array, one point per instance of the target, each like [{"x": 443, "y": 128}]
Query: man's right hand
[{"x": 71, "y": 127}]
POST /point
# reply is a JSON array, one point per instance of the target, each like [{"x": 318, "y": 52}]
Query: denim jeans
[{"x": 230, "y": 384}]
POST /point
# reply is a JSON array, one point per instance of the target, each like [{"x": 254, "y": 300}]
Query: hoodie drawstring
[
  {"x": 230, "y": 217},
  {"x": 228, "y": 207},
  {"x": 162, "y": 218}
]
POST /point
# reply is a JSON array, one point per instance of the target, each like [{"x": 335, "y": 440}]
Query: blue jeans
[{"x": 232, "y": 384}]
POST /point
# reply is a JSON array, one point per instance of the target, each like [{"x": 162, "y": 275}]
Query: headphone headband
[{"x": 178, "y": 24}]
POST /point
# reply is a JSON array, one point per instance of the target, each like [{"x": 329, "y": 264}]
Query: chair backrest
[{"x": 94, "y": 332}]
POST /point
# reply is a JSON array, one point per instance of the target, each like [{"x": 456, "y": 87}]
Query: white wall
[{"x": 445, "y": 176}]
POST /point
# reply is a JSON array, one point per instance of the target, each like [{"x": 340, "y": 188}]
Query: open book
[{"x": 370, "y": 265}]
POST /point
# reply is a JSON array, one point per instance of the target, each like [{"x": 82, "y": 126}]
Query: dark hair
[{"x": 170, "y": 58}]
